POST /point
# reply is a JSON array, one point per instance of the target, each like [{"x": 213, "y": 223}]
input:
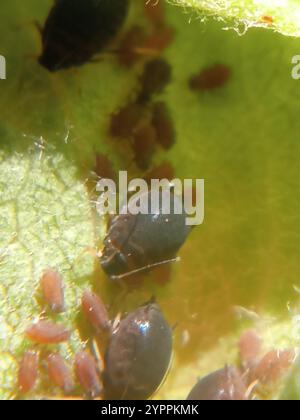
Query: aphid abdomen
[
  {"x": 223, "y": 385},
  {"x": 75, "y": 30},
  {"x": 28, "y": 371},
  {"x": 139, "y": 354},
  {"x": 160, "y": 235},
  {"x": 162, "y": 238},
  {"x": 86, "y": 372},
  {"x": 60, "y": 373}
]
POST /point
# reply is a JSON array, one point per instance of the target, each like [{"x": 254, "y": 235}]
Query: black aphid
[
  {"x": 76, "y": 30},
  {"x": 137, "y": 242},
  {"x": 138, "y": 355}
]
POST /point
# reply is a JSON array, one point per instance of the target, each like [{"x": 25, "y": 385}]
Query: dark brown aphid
[
  {"x": 131, "y": 46},
  {"x": 156, "y": 76},
  {"x": 139, "y": 355},
  {"x": 223, "y": 385},
  {"x": 86, "y": 372},
  {"x": 155, "y": 12},
  {"x": 163, "y": 124},
  {"x": 52, "y": 288},
  {"x": 76, "y": 30},
  {"x": 124, "y": 121},
  {"x": 47, "y": 332},
  {"x": 139, "y": 242},
  {"x": 163, "y": 171},
  {"x": 159, "y": 39},
  {"x": 211, "y": 78},
  {"x": 162, "y": 35},
  {"x": 144, "y": 139},
  {"x": 28, "y": 370},
  {"x": 104, "y": 167},
  {"x": 59, "y": 373},
  {"x": 95, "y": 311},
  {"x": 273, "y": 366}
]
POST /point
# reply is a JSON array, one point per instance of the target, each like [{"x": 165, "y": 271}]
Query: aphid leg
[
  {"x": 250, "y": 389},
  {"x": 174, "y": 326},
  {"x": 146, "y": 267},
  {"x": 98, "y": 356},
  {"x": 116, "y": 322}
]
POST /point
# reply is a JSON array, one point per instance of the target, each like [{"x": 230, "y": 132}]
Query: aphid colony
[
  {"x": 136, "y": 360},
  {"x": 254, "y": 378},
  {"x": 139, "y": 348},
  {"x": 144, "y": 121}
]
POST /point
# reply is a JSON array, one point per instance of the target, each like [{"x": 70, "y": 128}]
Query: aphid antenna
[
  {"x": 154, "y": 4},
  {"x": 38, "y": 26},
  {"x": 146, "y": 267},
  {"x": 140, "y": 51},
  {"x": 124, "y": 392}
]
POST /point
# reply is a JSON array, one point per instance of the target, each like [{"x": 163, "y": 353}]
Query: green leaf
[
  {"x": 242, "y": 139},
  {"x": 45, "y": 221},
  {"x": 279, "y": 15},
  {"x": 291, "y": 391}
]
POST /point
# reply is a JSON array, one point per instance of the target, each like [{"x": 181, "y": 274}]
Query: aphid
[
  {"x": 162, "y": 35},
  {"x": 266, "y": 19},
  {"x": 28, "y": 370},
  {"x": 124, "y": 121},
  {"x": 104, "y": 167},
  {"x": 156, "y": 76},
  {"x": 159, "y": 39},
  {"x": 164, "y": 127},
  {"x": 131, "y": 46},
  {"x": 155, "y": 12},
  {"x": 47, "y": 332},
  {"x": 223, "y": 385},
  {"x": 76, "y": 30},
  {"x": 163, "y": 171},
  {"x": 273, "y": 365},
  {"x": 211, "y": 78},
  {"x": 250, "y": 346},
  {"x": 138, "y": 355},
  {"x": 86, "y": 372},
  {"x": 59, "y": 373},
  {"x": 52, "y": 288},
  {"x": 144, "y": 144},
  {"x": 95, "y": 311},
  {"x": 137, "y": 242}
]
